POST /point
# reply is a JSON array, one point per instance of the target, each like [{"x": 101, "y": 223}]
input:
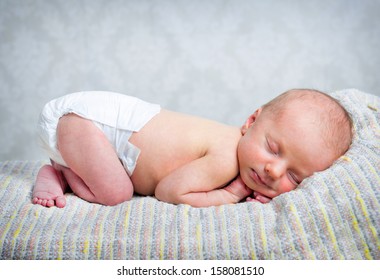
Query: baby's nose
[{"x": 275, "y": 169}]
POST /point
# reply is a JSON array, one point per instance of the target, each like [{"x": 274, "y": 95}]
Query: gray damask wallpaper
[{"x": 217, "y": 59}]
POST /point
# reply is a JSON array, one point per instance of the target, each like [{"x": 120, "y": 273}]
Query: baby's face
[{"x": 275, "y": 156}]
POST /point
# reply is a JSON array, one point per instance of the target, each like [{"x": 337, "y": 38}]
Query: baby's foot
[{"x": 49, "y": 188}]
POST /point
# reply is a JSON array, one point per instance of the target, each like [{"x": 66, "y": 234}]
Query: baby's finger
[{"x": 262, "y": 199}]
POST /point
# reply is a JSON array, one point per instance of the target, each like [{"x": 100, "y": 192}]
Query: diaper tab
[{"x": 129, "y": 158}]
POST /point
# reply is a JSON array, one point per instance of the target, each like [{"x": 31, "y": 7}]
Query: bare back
[{"x": 171, "y": 140}]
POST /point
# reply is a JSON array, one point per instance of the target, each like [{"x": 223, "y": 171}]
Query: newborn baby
[{"x": 106, "y": 146}]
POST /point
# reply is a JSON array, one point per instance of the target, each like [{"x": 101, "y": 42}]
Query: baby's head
[{"x": 298, "y": 133}]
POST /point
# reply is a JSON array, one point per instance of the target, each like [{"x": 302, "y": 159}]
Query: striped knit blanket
[{"x": 333, "y": 215}]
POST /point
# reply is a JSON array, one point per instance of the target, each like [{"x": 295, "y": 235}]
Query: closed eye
[
  {"x": 271, "y": 147},
  {"x": 293, "y": 178}
]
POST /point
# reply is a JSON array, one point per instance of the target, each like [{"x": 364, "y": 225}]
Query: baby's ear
[{"x": 251, "y": 119}]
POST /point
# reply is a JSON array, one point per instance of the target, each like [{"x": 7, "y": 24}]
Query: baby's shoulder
[{"x": 224, "y": 143}]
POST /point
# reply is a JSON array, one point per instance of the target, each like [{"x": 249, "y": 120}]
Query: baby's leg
[
  {"x": 96, "y": 173},
  {"x": 79, "y": 187},
  {"x": 49, "y": 187}
]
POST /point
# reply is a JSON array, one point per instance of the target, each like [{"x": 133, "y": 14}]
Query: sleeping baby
[{"x": 104, "y": 147}]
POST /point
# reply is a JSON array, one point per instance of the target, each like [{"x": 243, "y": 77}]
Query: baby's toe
[
  {"x": 60, "y": 202},
  {"x": 37, "y": 200},
  {"x": 49, "y": 203},
  {"x": 44, "y": 202}
]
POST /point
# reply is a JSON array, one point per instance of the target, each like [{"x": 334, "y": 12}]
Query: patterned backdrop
[{"x": 217, "y": 59}]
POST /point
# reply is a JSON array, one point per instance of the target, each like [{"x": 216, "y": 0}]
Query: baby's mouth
[{"x": 257, "y": 179}]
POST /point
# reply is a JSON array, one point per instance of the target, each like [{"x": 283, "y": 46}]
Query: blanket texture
[{"x": 334, "y": 214}]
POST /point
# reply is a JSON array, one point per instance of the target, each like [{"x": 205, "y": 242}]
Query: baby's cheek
[{"x": 286, "y": 186}]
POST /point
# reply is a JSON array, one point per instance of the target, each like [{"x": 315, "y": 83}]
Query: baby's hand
[
  {"x": 238, "y": 189},
  {"x": 259, "y": 197}
]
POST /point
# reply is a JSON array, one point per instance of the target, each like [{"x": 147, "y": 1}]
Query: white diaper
[{"x": 117, "y": 115}]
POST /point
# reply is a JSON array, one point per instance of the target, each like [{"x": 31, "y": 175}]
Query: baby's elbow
[
  {"x": 164, "y": 194},
  {"x": 161, "y": 195}
]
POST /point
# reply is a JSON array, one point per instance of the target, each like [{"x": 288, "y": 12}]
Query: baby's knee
[
  {"x": 124, "y": 193},
  {"x": 123, "y": 197}
]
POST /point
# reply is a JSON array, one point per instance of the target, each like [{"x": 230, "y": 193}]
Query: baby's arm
[{"x": 199, "y": 182}]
